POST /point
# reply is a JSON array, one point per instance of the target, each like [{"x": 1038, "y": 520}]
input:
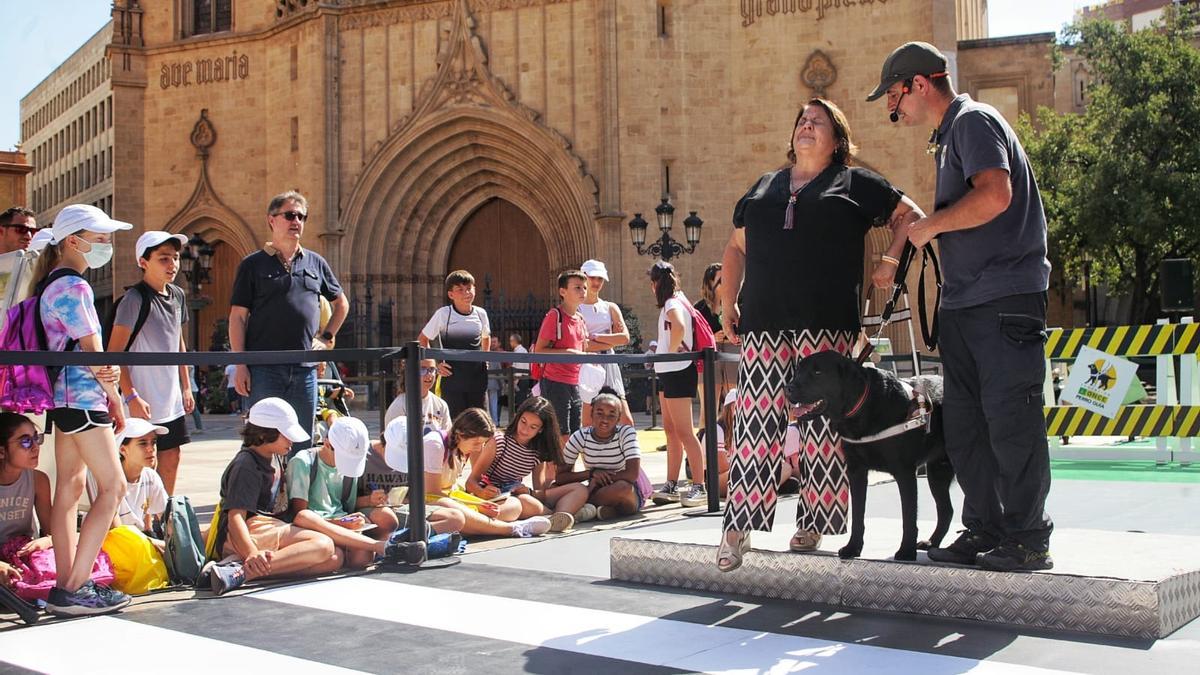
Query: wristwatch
[{"x": 327, "y": 336}]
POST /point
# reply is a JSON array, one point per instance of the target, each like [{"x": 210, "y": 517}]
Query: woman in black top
[
  {"x": 709, "y": 307},
  {"x": 792, "y": 277}
]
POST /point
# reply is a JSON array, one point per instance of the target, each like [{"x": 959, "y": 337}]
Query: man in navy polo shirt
[
  {"x": 276, "y": 306},
  {"x": 991, "y": 229}
]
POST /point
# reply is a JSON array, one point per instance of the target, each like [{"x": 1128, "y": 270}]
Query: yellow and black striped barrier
[
  {"x": 1131, "y": 420},
  {"x": 1162, "y": 339}
]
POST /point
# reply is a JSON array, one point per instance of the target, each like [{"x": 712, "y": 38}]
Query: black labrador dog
[{"x": 862, "y": 402}]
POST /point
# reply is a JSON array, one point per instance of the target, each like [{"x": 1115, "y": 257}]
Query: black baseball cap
[{"x": 909, "y": 59}]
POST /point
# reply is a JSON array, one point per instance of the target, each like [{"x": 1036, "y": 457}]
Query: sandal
[
  {"x": 729, "y": 553},
  {"x": 804, "y": 541}
]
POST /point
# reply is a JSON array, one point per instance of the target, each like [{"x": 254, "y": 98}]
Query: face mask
[{"x": 98, "y": 255}]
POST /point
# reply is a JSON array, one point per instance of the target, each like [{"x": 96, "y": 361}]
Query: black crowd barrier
[{"x": 411, "y": 353}]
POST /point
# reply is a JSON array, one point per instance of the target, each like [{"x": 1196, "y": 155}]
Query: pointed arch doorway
[{"x": 500, "y": 245}]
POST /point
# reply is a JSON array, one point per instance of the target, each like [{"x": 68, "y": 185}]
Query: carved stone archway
[{"x": 467, "y": 141}]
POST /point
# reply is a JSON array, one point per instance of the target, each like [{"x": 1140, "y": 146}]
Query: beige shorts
[{"x": 266, "y": 532}]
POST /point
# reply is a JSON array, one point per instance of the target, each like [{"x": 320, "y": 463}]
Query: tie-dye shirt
[{"x": 69, "y": 312}]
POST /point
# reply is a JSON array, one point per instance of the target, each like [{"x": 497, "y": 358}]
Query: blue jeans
[{"x": 293, "y": 383}]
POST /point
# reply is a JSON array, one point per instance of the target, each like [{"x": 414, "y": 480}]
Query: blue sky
[{"x": 40, "y": 34}]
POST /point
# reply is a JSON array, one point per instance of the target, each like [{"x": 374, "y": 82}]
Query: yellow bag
[
  {"x": 137, "y": 564},
  {"x": 210, "y": 541},
  {"x": 459, "y": 495}
]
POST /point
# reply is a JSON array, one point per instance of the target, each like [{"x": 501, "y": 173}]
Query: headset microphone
[{"x": 894, "y": 116}]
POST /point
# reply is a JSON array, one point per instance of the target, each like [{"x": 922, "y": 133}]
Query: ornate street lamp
[
  {"x": 665, "y": 247},
  {"x": 196, "y": 263}
]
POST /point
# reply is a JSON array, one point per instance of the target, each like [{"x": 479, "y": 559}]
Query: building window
[{"x": 201, "y": 17}]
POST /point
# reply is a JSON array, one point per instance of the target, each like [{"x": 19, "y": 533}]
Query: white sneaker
[
  {"x": 531, "y": 527},
  {"x": 588, "y": 512},
  {"x": 695, "y": 496}
]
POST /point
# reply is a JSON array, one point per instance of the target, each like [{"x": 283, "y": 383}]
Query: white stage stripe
[
  {"x": 105, "y": 644},
  {"x": 631, "y": 637}
]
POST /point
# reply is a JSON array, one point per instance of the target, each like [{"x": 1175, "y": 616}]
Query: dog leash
[
  {"x": 920, "y": 419},
  {"x": 929, "y": 330}
]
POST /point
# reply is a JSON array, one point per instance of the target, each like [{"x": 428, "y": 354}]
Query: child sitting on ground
[
  {"x": 612, "y": 463},
  {"x": 322, "y": 487},
  {"x": 146, "y": 498},
  {"x": 254, "y": 542},
  {"x": 434, "y": 410},
  {"x": 445, "y": 457},
  {"x": 530, "y": 445},
  {"x": 24, "y": 493}
]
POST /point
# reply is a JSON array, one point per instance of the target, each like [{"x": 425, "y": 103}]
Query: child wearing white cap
[
  {"x": 327, "y": 504},
  {"x": 606, "y": 330},
  {"x": 150, "y": 318},
  {"x": 87, "y": 407},
  {"x": 249, "y": 536},
  {"x": 146, "y": 498}
]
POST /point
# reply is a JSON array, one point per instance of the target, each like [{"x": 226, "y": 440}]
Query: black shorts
[
  {"x": 679, "y": 383},
  {"x": 73, "y": 421},
  {"x": 568, "y": 407},
  {"x": 176, "y": 436}
]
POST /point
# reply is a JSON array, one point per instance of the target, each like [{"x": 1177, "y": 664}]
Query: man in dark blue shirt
[
  {"x": 991, "y": 229},
  {"x": 276, "y": 306}
]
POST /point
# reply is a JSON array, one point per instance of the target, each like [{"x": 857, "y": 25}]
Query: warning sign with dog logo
[{"x": 1098, "y": 381}]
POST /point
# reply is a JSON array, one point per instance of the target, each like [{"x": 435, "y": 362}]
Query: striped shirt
[
  {"x": 513, "y": 461},
  {"x": 608, "y": 455}
]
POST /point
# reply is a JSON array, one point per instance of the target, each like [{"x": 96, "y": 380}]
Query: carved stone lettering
[
  {"x": 204, "y": 70},
  {"x": 754, "y": 10}
]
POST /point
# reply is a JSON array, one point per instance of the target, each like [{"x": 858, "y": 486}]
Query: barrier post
[
  {"x": 1189, "y": 394},
  {"x": 711, "y": 462},
  {"x": 416, "y": 432},
  {"x": 1164, "y": 377}
]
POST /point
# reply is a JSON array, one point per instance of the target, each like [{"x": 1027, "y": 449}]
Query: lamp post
[
  {"x": 196, "y": 262},
  {"x": 665, "y": 247}
]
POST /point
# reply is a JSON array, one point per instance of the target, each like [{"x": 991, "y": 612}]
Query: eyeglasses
[
  {"x": 293, "y": 216},
  {"x": 23, "y": 229},
  {"x": 428, "y": 371},
  {"x": 28, "y": 441}
]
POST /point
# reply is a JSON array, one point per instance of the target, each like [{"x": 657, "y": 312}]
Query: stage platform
[{"x": 1113, "y": 583}]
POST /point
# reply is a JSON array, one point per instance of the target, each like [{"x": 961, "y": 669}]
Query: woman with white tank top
[{"x": 606, "y": 329}]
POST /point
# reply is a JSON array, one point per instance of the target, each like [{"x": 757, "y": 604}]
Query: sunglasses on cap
[
  {"x": 27, "y": 441},
  {"x": 293, "y": 216}
]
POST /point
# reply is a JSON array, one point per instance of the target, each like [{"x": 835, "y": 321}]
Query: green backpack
[{"x": 185, "y": 547}]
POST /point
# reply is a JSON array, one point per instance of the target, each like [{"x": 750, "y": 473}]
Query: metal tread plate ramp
[{"x": 1112, "y": 583}]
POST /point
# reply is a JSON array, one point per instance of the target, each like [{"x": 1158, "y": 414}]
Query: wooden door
[{"x": 502, "y": 248}]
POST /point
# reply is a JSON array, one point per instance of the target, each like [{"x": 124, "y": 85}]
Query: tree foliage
[{"x": 1121, "y": 182}]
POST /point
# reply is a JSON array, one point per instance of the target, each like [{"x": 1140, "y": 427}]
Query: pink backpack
[{"x": 29, "y": 389}]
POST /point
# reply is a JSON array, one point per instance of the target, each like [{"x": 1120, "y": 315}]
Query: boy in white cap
[
  {"x": 146, "y": 498},
  {"x": 150, "y": 318},
  {"x": 327, "y": 504},
  {"x": 254, "y": 542}
]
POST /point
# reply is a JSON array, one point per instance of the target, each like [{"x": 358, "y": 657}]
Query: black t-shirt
[
  {"x": 714, "y": 321},
  {"x": 809, "y": 277},
  {"x": 284, "y": 308},
  {"x": 249, "y": 483}
]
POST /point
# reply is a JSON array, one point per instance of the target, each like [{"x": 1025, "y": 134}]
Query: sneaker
[
  {"x": 695, "y": 496},
  {"x": 225, "y": 578},
  {"x": 1013, "y": 557},
  {"x": 86, "y": 601},
  {"x": 204, "y": 579},
  {"x": 669, "y": 494},
  {"x": 400, "y": 549},
  {"x": 561, "y": 521},
  {"x": 588, "y": 512},
  {"x": 110, "y": 595},
  {"x": 531, "y": 527},
  {"x": 964, "y": 550}
]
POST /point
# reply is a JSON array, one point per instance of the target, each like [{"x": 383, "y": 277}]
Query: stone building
[
  {"x": 514, "y": 138},
  {"x": 14, "y": 169}
]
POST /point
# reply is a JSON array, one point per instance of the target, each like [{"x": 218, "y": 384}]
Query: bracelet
[
  {"x": 890, "y": 259},
  {"x": 132, "y": 395}
]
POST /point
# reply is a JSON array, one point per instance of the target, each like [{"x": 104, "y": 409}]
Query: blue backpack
[{"x": 184, "y": 553}]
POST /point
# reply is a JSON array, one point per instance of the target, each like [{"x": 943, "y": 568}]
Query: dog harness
[{"x": 918, "y": 418}]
